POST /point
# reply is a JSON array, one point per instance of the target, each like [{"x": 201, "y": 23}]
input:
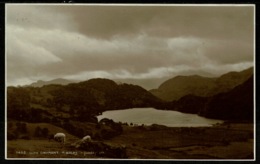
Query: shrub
[
  {"x": 117, "y": 127},
  {"x": 20, "y": 128},
  {"x": 45, "y": 132},
  {"x": 11, "y": 136},
  {"x": 107, "y": 134},
  {"x": 9, "y": 125},
  {"x": 23, "y": 128},
  {"x": 25, "y": 137},
  {"x": 96, "y": 136},
  {"x": 97, "y": 126},
  {"x": 225, "y": 142},
  {"x": 38, "y": 132}
]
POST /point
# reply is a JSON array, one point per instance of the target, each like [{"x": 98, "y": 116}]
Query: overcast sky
[{"x": 80, "y": 42}]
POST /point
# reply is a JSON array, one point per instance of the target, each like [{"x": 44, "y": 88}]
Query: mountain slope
[
  {"x": 230, "y": 80},
  {"x": 237, "y": 104},
  {"x": 189, "y": 104},
  {"x": 179, "y": 86},
  {"x": 60, "y": 81},
  {"x": 102, "y": 94},
  {"x": 83, "y": 101}
]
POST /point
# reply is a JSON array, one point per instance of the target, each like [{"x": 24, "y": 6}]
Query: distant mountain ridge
[
  {"x": 60, "y": 81},
  {"x": 236, "y": 104},
  {"x": 151, "y": 83},
  {"x": 179, "y": 86},
  {"x": 85, "y": 100}
]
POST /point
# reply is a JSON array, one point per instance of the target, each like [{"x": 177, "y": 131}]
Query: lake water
[{"x": 148, "y": 116}]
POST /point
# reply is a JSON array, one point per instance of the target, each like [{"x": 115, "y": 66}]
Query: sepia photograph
[{"x": 130, "y": 81}]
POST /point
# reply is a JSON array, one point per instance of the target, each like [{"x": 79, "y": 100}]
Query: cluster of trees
[
  {"x": 108, "y": 129},
  {"x": 19, "y": 130},
  {"x": 103, "y": 130},
  {"x": 18, "y": 105},
  {"x": 41, "y": 132},
  {"x": 33, "y": 115},
  {"x": 97, "y": 95},
  {"x": 18, "y": 98}
]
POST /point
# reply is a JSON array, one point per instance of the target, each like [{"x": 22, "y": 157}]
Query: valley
[{"x": 35, "y": 113}]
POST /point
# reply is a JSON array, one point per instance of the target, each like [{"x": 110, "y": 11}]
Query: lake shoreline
[{"x": 149, "y": 116}]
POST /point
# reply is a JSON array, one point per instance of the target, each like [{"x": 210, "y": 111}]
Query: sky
[{"x": 139, "y": 44}]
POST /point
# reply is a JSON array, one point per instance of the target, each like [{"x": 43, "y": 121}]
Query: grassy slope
[
  {"x": 189, "y": 143},
  {"x": 233, "y": 142},
  {"x": 52, "y": 129}
]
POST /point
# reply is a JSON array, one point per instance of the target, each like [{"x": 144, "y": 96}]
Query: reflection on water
[{"x": 150, "y": 116}]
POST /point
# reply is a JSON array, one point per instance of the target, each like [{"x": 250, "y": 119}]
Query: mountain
[
  {"x": 179, "y": 86},
  {"x": 85, "y": 100},
  {"x": 237, "y": 104},
  {"x": 60, "y": 81},
  {"x": 102, "y": 94},
  {"x": 232, "y": 79},
  {"x": 144, "y": 83},
  {"x": 81, "y": 101},
  {"x": 150, "y": 83}
]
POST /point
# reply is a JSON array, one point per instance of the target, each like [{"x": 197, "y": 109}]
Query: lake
[{"x": 148, "y": 116}]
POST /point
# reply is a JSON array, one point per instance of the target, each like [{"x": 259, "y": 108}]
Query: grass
[{"x": 219, "y": 142}]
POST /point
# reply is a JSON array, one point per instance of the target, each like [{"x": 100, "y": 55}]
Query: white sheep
[
  {"x": 60, "y": 137},
  {"x": 86, "y": 139}
]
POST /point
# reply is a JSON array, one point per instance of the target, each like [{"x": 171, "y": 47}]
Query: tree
[
  {"x": 9, "y": 125},
  {"x": 38, "y": 132},
  {"x": 18, "y": 102},
  {"x": 19, "y": 127},
  {"x": 23, "y": 128},
  {"x": 18, "y": 98},
  {"x": 45, "y": 132}
]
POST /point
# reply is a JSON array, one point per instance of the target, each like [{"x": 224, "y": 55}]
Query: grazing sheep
[
  {"x": 86, "y": 139},
  {"x": 60, "y": 137}
]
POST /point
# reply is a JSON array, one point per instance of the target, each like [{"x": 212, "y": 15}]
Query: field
[{"x": 232, "y": 141}]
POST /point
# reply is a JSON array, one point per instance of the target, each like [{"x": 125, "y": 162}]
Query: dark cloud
[
  {"x": 163, "y": 21},
  {"x": 160, "y": 21},
  {"x": 127, "y": 42},
  {"x": 230, "y": 52}
]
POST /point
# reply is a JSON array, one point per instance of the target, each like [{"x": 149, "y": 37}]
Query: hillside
[
  {"x": 74, "y": 107},
  {"x": 104, "y": 94},
  {"x": 179, "y": 86},
  {"x": 189, "y": 104},
  {"x": 41, "y": 83},
  {"x": 82, "y": 101},
  {"x": 232, "y": 79},
  {"x": 34, "y": 113},
  {"x": 151, "y": 83},
  {"x": 237, "y": 104},
  {"x": 145, "y": 142}
]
